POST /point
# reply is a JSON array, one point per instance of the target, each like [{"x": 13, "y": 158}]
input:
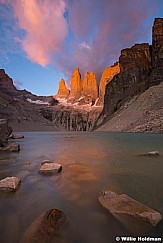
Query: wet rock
[
  {"x": 11, "y": 147},
  {"x": 46, "y": 161},
  {"x": 130, "y": 212},
  {"x": 152, "y": 153},
  {"x": 5, "y": 131},
  {"x": 10, "y": 184},
  {"x": 16, "y": 136},
  {"x": 49, "y": 227},
  {"x": 50, "y": 168}
]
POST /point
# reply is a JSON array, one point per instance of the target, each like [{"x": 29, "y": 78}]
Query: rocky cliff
[
  {"x": 140, "y": 68},
  {"x": 106, "y": 77},
  {"x": 6, "y": 83}
]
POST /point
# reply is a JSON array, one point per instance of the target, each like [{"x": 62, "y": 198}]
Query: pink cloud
[
  {"x": 106, "y": 26},
  {"x": 45, "y": 27},
  {"x": 91, "y": 35}
]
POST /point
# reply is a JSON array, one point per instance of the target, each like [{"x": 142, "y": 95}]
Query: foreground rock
[
  {"x": 49, "y": 227},
  {"x": 10, "y": 184},
  {"x": 5, "y": 131},
  {"x": 11, "y": 147},
  {"x": 152, "y": 153},
  {"x": 16, "y": 136},
  {"x": 130, "y": 212},
  {"x": 49, "y": 167}
]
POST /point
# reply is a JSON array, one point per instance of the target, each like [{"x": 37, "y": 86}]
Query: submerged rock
[
  {"x": 16, "y": 136},
  {"x": 49, "y": 227},
  {"x": 11, "y": 147},
  {"x": 5, "y": 131},
  {"x": 135, "y": 215},
  {"x": 10, "y": 184},
  {"x": 50, "y": 168},
  {"x": 152, "y": 153},
  {"x": 46, "y": 161}
]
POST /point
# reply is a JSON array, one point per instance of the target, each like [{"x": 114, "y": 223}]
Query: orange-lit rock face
[
  {"x": 89, "y": 86},
  {"x": 106, "y": 77},
  {"x": 63, "y": 92},
  {"x": 75, "y": 84}
]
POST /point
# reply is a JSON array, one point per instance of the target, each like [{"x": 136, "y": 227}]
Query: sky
[{"x": 43, "y": 41}]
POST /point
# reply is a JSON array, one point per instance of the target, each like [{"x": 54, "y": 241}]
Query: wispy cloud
[
  {"x": 44, "y": 25},
  {"x": 87, "y": 34},
  {"x": 106, "y": 26},
  {"x": 17, "y": 83}
]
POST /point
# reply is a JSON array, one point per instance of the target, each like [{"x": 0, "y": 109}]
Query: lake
[{"x": 92, "y": 162}]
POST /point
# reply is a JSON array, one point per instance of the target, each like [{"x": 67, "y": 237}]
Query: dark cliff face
[
  {"x": 70, "y": 119},
  {"x": 6, "y": 83},
  {"x": 157, "y": 52},
  {"x": 141, "y": 66},
  {"x": 157, "y": 43},
  {"x": 138, "y": 55},
  {"x": 124, "y": 86}
]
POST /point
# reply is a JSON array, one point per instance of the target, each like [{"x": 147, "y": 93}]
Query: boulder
[
  {"x": 5, "y": 131},
  {"x": 133, "y": 214},
  {"x": 49, "y": 227},
  {"x": 50, "y": 168},
  {"x": 11, "y": 147},
  {"x": 152, "y": 153},
  {"x": 16, "y": 136},
  {"x": 10, "y": 184}
]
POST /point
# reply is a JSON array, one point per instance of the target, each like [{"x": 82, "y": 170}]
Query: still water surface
[{"x": 92, "y": 162}]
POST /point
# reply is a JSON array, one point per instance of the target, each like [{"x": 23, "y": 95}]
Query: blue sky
[{"x": 42, "y": 41}]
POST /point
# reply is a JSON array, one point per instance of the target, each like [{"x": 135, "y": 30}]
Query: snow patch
[{"x": 38, "y": 102}]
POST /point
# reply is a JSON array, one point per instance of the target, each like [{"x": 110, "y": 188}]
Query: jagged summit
[
  {"x": 63, "y": 92},
  {"x": 87, "y": 91},
  {"x": 75, "y": 85}
]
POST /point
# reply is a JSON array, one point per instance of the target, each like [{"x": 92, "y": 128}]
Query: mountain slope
[{"x": 144, "y": 113}]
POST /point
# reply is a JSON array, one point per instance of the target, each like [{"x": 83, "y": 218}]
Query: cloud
[
  {"x": 44, "y": 25},
  {"x": 106, "y": 26},
  {"x": 84, "y": 34},
  {"x": 17, "y": 83}
]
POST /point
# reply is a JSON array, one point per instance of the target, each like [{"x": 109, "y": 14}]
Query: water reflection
[{"x": 91, "y": 163}]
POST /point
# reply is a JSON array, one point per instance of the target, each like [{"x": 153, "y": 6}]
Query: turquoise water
[{"x": 92, "y": 162}]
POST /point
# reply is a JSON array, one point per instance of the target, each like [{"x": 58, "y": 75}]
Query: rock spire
[
  {"x": 63, "y": 92},
  {"x": 75, "y": 85},
  {"x": 89, "y": 86}
]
